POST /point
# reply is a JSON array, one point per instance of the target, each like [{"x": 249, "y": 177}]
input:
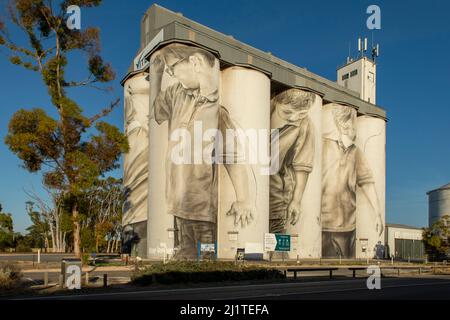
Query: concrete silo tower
[{"x": 438, "y": 203}]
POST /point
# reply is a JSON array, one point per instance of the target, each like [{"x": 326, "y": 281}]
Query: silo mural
[
  {"x": 295, "y": 188},
  {"x": 245, "y": 94},
  {"x": 244, "y": 153},
  {"x": 371, "y": 139},
  {"x": 185, "y": 99},
  {"x": 135, "y": 178},
  {"x": 344, "y": 168}
]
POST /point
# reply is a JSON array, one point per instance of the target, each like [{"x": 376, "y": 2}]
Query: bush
[
  {"x": 23, "y": 248},
  {"x": 10, "y": 277},
  {"x": 192, "y": 272},
  {"x": 85, "y": 259}
]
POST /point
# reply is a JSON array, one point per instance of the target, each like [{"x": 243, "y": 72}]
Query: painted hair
[
  {"x": 178, "y": 51},
  {"x": 345, "y": 118},
  {"x": 296, "y": 98}
]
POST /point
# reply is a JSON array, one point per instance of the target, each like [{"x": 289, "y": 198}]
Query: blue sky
[{"x": 413, "y": 78}]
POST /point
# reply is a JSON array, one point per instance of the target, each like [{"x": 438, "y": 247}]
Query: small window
[
  {"x": 345, "y": 77},
  {"x": 354, "y": 73}
]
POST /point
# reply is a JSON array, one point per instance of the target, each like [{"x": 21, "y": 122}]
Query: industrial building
[
  {"x": 404, "y": 242},
  {"x": 324, "y": 187}
]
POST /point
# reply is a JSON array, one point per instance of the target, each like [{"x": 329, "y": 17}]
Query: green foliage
[
  {"x": 87, "y": 240},
  {"x": 6, "y": 231},
  {"x": 191, "y": 272},
  {"x": 437, "y": 239},
  {"x": 85, "y": 258},
  {"x": 6, "y": 222},
  {"x": 38, "y": 232},
  {"x": 31, "y": 138}
]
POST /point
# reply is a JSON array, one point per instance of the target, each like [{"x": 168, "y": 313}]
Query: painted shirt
[
  {"x": 342, "y": 170},
  {"x": 296, "y": 153},
  {"x": 191, "y": 188},
  {"x": 135, "y": 164}
]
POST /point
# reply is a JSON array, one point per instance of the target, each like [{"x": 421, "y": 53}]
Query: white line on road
[
  {"x": 331, "y": 291},
  {"x": 233, "y": 287}
]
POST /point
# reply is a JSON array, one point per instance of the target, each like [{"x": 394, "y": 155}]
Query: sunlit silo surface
[
  {"x": 438, "y": 203},
  {"x": 231, "y": 146}
]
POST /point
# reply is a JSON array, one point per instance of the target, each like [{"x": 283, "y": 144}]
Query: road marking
[
  {"x": 189, "y": 289},
  {"x": 233, "y": 287},
  {"x": 332, "y": 291}
]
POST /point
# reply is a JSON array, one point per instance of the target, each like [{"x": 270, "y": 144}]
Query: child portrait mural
[
  {"x": 344, "y": 169},
  {"x": 136, "y": 160},
  {"x": 289, "y": 115},
  {"x": 185, "y": 94}
]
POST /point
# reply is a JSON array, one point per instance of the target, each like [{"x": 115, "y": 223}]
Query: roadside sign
[
  {"x": 140, "y": 62},
  {"x": 270, "y": 242},
  {"x": 277, "y": 242},
  {"x": 207, "y": 247}
]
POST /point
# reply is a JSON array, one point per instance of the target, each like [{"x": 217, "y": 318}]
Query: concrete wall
[
  {"x": 438, "y": 204},
  {"x": 136, "y": 94},
  {"x": 393, "y": 233},
  {"x": 371, "y": 140},
  {"x": 245, "y": 93}
]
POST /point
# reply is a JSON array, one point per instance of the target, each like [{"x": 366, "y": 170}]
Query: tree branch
[{"x": 105, "y": 111}]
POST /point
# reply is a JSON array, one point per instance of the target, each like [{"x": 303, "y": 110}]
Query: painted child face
[
  {"x": 290, "y": 113},
  {"x": 185, "y": 71}
]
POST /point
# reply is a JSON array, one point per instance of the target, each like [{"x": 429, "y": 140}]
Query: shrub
[
  {"x": 10, "y": 276},
  {"x": 193, "y": 272},
  {"x": 23, "y": 248}
]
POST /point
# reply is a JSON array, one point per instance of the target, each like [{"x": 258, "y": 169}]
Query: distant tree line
[{"x": 51, "y": 225}]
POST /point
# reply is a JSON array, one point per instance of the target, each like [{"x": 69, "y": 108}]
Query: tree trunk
[
  {"x": 52, "y": 234},
  {"x": 76, "y": 232},
  {"x": 57, "y": 236},
  {"x": 64, "y": 243}
]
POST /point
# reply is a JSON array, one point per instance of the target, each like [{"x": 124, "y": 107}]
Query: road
[{"x": 426, "y": 287}]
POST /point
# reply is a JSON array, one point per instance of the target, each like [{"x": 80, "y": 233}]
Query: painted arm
[
  {"x": 371, "y": 194},
  {"x": 293, "y": 210},
  {"x": 243, "y": 208},
  {"x": 155, "y": 83}
]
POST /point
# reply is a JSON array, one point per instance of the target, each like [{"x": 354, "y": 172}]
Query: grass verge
[{"x": 193, "y": 272}]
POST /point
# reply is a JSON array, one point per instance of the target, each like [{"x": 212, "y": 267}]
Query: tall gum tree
[{"x": 72, "y": 150}]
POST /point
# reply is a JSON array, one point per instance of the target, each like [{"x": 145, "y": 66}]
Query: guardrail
[{"x": 297, "y": 270}]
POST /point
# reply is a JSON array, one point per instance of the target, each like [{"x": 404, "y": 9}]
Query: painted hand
[
  {"x": 293, "y": 212},
  {"x": 158, "y": 64},
  {"x": 243, "y": 213},
  {"x": 379, "y": 225}
]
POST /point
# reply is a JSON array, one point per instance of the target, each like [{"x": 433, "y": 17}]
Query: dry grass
[{"x": 10, "y": 277}]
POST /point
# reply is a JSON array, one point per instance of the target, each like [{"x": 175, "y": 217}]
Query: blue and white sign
[{"x": 140, "y": 62}]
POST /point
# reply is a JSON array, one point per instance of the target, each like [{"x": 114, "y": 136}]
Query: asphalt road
[{"x": 429, "y": 287}]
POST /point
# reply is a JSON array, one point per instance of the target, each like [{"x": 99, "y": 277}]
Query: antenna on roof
[
  {"x": 375, "y": 52},
  {"x": 362, "y": 46}
]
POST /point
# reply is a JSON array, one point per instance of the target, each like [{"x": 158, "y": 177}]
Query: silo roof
[{"x": 444, "y": 187}]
